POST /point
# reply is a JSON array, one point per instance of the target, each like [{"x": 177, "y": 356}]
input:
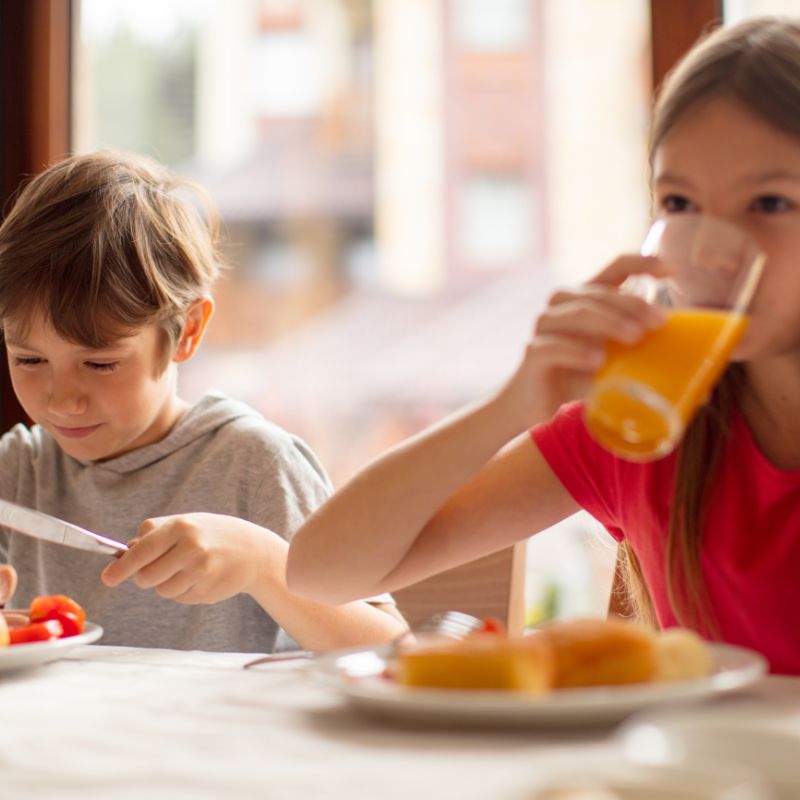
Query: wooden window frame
[{"x": 35, "y": 79}]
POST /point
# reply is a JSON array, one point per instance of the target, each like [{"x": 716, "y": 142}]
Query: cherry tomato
[
  {"x": 492, "y": 625},
  {"x": 36, "y": 632},
  {"x": 59, "y": 607}
]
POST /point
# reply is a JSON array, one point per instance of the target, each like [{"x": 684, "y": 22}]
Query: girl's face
[
  {"x": 95, "y": 403},
  {"x": 723, "y": 160}
]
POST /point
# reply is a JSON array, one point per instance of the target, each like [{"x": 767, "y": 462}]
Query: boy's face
[{"x": 95, "y": 403}]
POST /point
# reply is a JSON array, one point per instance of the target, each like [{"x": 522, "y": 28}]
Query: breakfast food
[
  {"x": 60, "y": 608},
  {"x": 600, "y": 652},
  {"x": 682, "y": 655},
  {"x": 562, "y": 655},
  {"x": 482, "y": 661},
  {"x": 49, "y": 617}
]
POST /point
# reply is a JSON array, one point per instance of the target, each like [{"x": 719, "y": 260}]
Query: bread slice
[
  {"x": 482, "y": 661},
  {"x": 600, "y": 652}
]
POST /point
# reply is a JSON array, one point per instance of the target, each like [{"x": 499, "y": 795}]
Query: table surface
[{"x": 111, "y": 722}]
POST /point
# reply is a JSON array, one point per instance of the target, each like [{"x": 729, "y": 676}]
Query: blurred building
[{"x": 402, "y": 182}]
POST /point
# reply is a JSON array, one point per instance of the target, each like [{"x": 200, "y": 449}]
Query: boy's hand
[
  {"x": 194, "y": 558},
  {"x": 8, "y": 583}
]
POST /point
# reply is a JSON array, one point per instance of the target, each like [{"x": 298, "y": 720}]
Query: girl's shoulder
[
  {"x": 746, "y": 452},
  {"x": 623, "y": 495},
  {"x": 565, "y": 439}
]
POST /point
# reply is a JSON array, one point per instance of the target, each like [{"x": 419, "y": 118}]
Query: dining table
[{"x": 122, "y": 722}]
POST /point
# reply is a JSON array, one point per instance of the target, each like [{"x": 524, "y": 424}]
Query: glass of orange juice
[{"x": 646, "y": 393}]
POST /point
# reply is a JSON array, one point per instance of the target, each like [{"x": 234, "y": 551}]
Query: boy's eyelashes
[
  {"x": 97, "y": 366},
  {"x": 108, "y": 366}
]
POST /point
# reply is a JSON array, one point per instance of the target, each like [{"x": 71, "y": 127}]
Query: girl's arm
[
  {"x": 426, "y": 506},
  {"x": 476, "y": 482}
]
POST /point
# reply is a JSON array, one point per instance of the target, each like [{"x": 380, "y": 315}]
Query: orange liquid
[{"x": 646, "y": 393}]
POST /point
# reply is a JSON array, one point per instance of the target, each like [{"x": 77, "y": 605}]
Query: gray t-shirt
[{"x": 222, "y": 457}]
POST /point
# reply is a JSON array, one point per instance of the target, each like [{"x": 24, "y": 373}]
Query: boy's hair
[
  {"x": 102, "y": 244},
  {"x": 755, "y": 63}
]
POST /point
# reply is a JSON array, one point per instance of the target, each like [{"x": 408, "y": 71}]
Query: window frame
[{"x": 35, "y": 95}]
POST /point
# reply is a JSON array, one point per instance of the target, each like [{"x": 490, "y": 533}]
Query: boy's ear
[{"x": 194, "y": 327}]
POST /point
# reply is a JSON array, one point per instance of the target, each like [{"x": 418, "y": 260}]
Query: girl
[{"x": 713, "y": 531}]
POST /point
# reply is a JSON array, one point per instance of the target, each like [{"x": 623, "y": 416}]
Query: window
[
  {"x": 737, "y": 10},
  {"x": 402, "y": 184}
]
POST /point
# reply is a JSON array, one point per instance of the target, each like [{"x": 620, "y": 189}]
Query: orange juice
[{"x": 645, "y": 394}]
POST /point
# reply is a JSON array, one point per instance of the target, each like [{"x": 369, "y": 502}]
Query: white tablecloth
[{"x": 109, "y": 722}]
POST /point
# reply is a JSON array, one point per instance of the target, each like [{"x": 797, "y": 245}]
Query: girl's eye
[
  {"x": 102, "y": 367},
  {"x": 771, "y": 204},
  {"x": 26, "y": 362},
  {"x": 676, "y": 204}
]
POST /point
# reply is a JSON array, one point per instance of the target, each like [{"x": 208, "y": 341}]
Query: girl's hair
[
  {"x": 103, "y": 244},
  {"x": 757, "y": 64}
]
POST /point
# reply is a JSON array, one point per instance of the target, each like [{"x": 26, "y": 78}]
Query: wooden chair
[{"x": 490, "y": 586}]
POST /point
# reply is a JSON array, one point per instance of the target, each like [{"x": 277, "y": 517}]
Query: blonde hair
[
  {"x": 757, "y": 64},
  {"x": 103, "y": 244}
]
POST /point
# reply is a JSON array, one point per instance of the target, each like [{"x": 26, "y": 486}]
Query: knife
[{"x": 51, "y": 529}]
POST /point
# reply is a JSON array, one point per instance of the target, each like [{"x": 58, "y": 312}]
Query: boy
[{"x": 104, "y": 289}]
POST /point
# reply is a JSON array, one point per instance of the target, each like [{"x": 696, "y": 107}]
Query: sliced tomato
[
  {"x": 36, "y": 632},
  {"x": 59, "y": 607},
  {"x": 492, "y": 625}
]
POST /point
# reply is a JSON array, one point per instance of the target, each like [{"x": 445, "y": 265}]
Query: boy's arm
[
  {"x": 318, "y": 626},
  {"x": 207, "y": 558}
]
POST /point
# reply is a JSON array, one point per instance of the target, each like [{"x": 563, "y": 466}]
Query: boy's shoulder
[
  {"x": 234, "y": 431},
  {"x": 231, "y": 421},
  {"x": 22, "y": 441},
  {"x": 26, "y": 453}
]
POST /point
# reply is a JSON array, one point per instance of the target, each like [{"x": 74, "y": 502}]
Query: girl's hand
[
  {"x": 568, "y": 345},
  {"x": 194, "y": 558}
]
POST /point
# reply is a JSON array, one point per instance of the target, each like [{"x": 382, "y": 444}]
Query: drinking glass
[{"x": 646, "y": 393}]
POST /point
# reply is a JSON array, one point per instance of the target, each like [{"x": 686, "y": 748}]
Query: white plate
[
  {"x": 21, "y": 656},
  {"x": 758, "y": 736},
  {"x": 358, "y": 677}
]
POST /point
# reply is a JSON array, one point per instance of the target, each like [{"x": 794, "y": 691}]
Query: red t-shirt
[{"x": 751, "y": 546}]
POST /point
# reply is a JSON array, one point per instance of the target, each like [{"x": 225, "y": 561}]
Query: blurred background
[{"x": 402, "y": 184}]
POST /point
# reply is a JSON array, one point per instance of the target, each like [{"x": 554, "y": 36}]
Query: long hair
[{"x": 757, "y": 64}]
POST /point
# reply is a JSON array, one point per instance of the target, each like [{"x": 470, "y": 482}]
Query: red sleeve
[{"x": 589, "y": 472}]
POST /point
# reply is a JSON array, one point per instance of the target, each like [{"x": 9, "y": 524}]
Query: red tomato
[
  {"x": 36, "y": 632},
  {"x": 59, "y": 607},
  {"x": 492, "y": 625}
]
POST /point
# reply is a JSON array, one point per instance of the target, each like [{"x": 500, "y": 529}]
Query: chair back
[{"x": 490, "y": 586}]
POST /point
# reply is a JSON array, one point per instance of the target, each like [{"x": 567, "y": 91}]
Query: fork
[{"x": 451, "y": 624}]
